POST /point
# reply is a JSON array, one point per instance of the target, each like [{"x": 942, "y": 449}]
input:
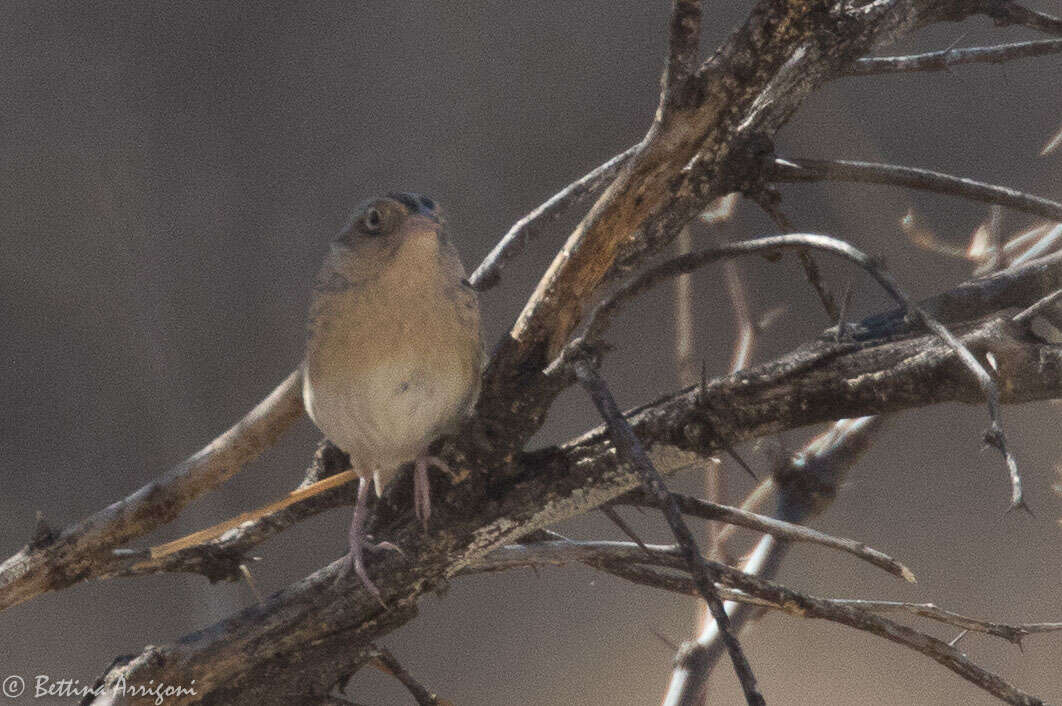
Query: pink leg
[
  {"x": 356, "y": 558},
  {"x": 421, "y": 487}
]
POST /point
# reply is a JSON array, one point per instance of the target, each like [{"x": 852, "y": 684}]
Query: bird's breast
[{"x": 391, "y": 364}]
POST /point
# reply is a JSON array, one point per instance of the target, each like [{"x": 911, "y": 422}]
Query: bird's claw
[{"x": 355, "y": 560}]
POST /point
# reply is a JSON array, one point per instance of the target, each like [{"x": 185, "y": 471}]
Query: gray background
[{"x": 170, "y": 174}]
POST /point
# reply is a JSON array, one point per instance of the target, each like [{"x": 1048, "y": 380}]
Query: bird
[{"x": 393, "y": 352}]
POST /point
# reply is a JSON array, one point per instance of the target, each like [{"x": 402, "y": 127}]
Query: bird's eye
[
  {"x": 427, "y": 203},
  {"x": 372, "y": 220}
]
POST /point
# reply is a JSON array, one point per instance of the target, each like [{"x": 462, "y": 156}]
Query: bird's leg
[
  {"x": 422, "y": 488},
  {"x": 358, "y": 541}
]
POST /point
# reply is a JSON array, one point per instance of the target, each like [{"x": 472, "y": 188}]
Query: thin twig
[
  {"x": 946, "y": 58},
  {"x": 796, "y": 170},
  {"x": 780, "y": 529},
  {"x": 610, "y": 512},
  {"x": 392, "y": 666},
  {"x": 746, "y": 328},
  {"x": 1027, "y": 314},
  {"x": 630, "y": 449},
  {"x": 685, "y": 363},
  {"x": 488, "y": 274},
  {"x": 1052, "y": 143},
  {"x": 996, "y": 255},
  {"x": 1010, "y": 633},
  {"x": 842, "y": 312},
  {"x": 756, "y": 497},
  {"x": 807, "y": 262},
  {"x": 1046, "y": 239}
]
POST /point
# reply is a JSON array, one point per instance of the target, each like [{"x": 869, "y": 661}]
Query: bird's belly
[{"x": 388, "y": 414}]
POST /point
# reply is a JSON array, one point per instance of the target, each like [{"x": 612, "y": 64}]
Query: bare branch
[
  {"x": 1052, "y": 144},
  {"x": 769, "y": 594},
  {"x": 219, "y": 558},
  {"x": 807, "y": 484},
  {"x": 392, "y": 666},
  {"x": 602, "y": 315},
  {"x": 1038, "y": 241},
  {"x": 946, "y": 58},
  {"x": 746, "y": 337},
  {"x": 1018, "y": 286},
  {"x": 796, "y": 170},
  {"x": 685, "y": 362},
  {"x": 684, "y": 38},
  {"x": 1006, "y": 12},
  {"x": 739, "y": 98},
  {"x": 620, "y": 559},
  {"x": 83, "y": 550},
  {"x": 488, "y": 274},
  {"x": 1026, "y": 315},
  {"x": 632, "y": 454},
  {"x": 779, "y": 529},
  {"x": 768, "y": 201},
  {"x": 1010, "y": 633}
]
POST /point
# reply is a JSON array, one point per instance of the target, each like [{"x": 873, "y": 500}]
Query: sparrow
[{"x": 393, "y": 355}]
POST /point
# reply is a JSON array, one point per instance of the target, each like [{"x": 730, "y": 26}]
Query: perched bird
[{"x": 394, "y": 353}]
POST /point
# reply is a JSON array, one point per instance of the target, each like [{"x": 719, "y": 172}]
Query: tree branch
[
  {"x": 83, "y": 550},
  {"x": 392, "y": 666},
  {"x": 807, "y": 483},
  {"x": 797, "y": 170},
  {"x": 741, "y": 96},
  {"x": 488, "y": 274},
  {"x": 601, "y": 316},
  {"x": 785, "y": 531},
  {"x": 684, "y": 38},
  {"x": 632, "y": 454},
  {"x": 821, "y": 382},
  {"x": 946, "y": 58},
  {"x": 761, "y": 592},
  {"x": 1006, "y": 12}
]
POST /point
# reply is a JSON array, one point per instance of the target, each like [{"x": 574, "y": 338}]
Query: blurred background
[{"x": 171, "y": 174}]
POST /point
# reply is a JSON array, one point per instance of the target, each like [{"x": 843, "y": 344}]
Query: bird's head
[{"x": 388, "y": 221}]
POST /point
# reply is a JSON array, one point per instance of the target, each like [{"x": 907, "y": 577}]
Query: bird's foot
[
  {"x": 359, "y": 542},
  {"x": 355, "y": 560},
  {"x": 422, "y": 488}
]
